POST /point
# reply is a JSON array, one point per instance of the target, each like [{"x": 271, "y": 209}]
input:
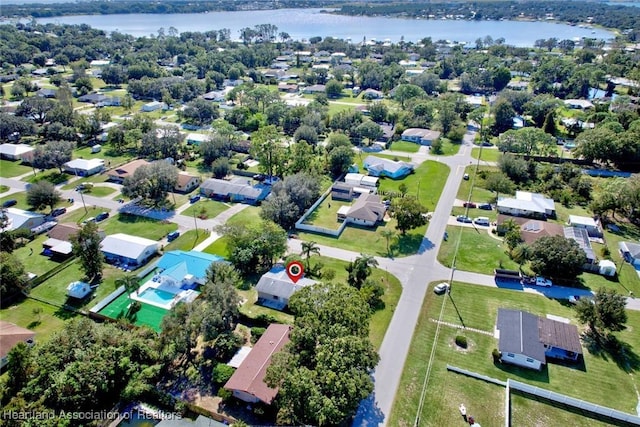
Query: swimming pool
[{"x": 156, "y": 297}]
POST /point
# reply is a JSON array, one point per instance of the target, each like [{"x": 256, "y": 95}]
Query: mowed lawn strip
[{"x": 600, "y": 378}]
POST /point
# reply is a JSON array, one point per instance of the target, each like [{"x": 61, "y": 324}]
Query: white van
[{"x": 482, "y": 220}]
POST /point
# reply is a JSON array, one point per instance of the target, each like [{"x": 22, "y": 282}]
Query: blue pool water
[{"x": 156, "y": 296}]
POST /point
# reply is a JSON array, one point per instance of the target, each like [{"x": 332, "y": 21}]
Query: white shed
[
  {"x": 606, "y": 267},
  {"x": 78, "y": 290}
]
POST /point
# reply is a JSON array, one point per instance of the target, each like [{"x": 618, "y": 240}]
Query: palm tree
[
  {"x": 309, "y": 248},
  {"x": 360, "y": 269},
  {"x": 130, "y": 283},
  {"x": 388, "y": 234}
]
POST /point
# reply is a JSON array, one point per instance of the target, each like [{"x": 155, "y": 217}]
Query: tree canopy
[{"x": 557, "y": 256}]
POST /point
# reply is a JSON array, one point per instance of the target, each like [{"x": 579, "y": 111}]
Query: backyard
[
  {"x": 325, "y": 215},
  {"x": 596, "y": 380}
]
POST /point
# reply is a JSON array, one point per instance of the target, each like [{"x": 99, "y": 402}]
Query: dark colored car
[
  {"x": 194, "y": 199},
  {"x": 485, "y": 206},
  {"x": 173, "y": 236},
  {"x": 465, "y": 219},
  {"x": 102, "y": 216},
  {"x": 469, "y": 205},
  {"x": 58, "y": 211},
  {"x": 259, "y": 177},
  {"x": 9, "y": 203}
]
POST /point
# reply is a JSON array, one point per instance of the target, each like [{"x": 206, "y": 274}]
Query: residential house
[
  {"x": 518, "y": 85},
  {"x": 16, "y": 151},
  {"x": 124, "y": 249},
  {"x": 372, "y": 94},
  {"x": 527, "y": 340},
  {"x": 420, "y": 136},
  {"x": 10, "y": 335},
  {"x": 275, "y": 287},
  {"x": 215, "y": 95},
  {"x": 120, "y": 173},
  {"x": 236, "y": 190},
  {"x": 190, "y": 265},
  {"x": 287, "y": 87},
  {"x": 578, "y": 104},
  {"x": 367, "y": 210},
  {"x": 589, "y": 224},
  {"x": 247, "y": 382},
  {"x": 98, "y": 63},
  {"x": 84, "y": 167},
  {"x": 530, "y": 229},
  {"x": 360, "y": 180},
  {"x": 186, "y": 182},
  {"x": 154, "y": 106},
  {"x": 196, "y": 138},
  {"x": 581, "y": 237},
  {"x": 313, "y": 89},
  {"x": 21, "y": 219},
  {"x": 58, "y": 245},
  {"x": 342, "y": 191},
  {"x": 630, "y": 251},
  {"x": 47, "y": 93},
  {"x": 232, "y": 82},
  {"x": 527, "y": 204},
  {"x": 93, "y": 98},
  {"x": 377, "y": 166}
]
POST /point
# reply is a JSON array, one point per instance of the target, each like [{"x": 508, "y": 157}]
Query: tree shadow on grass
[
  {"x": 64, "y": 314},
  {"x": 408, "y": 244},
  {"x": 609, "y": 347}
]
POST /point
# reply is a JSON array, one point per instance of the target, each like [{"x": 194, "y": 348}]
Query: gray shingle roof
[{"x": 519, "y": 334}]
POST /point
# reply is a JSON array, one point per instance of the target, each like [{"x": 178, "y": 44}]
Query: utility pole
[{"x": 83, "y": 204}]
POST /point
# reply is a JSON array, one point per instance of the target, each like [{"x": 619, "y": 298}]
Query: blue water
[
  {"x": 306, "y": 23},
  {"x": 156, "y": 296}
]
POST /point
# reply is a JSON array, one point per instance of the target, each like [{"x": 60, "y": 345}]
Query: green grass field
[
  {"x": 478, "y": 251},
  {"x": 325, "y": 215},
  {"x": 597, "y": 380},
  {"x": 488, "y": 154},
  {"x": 79, "y": 215},
  {"x": 480, "y": 194},
  {"x": 448, "y": 148},
  {"x": 219, "y": 247},
  {"x": 187, "y": 241},
  {"x": 206, "y": 209},
  {"x": 4, "y": 189},
  {"x": 24, "y": 313},
  {"x": 406, "y": 146},
  {"x": 137, "y": 226},
  {"x": 249, "y": 215},
  {"x": 9, "y": 169}
]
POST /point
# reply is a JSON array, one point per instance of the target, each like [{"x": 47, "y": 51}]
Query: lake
[{"x": 307, "y": 23}]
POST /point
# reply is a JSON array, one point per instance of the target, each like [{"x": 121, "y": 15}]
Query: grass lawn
[
  {"x": 10, "y": 168},
  {"x": 406, "y": 146},
  {"x": 335, "y": 108},
  {"x": 474, "y": 212},
  {"x": 488, "y": 154},
  {"x": 187, "y": 241},
  {"x": 206, "y": 209},
  {"x": 111, "y": 157},
  {"x": 250, "y": 309},
  {"x": 478, "y": 251},
  {"x": 21, "y": 198},
  {"x": 51, "y": 175},
  {"x": 54, "y": 290},
  {"x": 596, "y": 380},
  {"x": 480, "y": 194},
  {"x": 93, "y": 179},
  {"x": 425, "y": 183},
  {"x": 30, "y": 257},
  {"x": 79, "y": 215},
  {"x": 50, "y": 320},
  {"x": 98, "y": 191},
  {"x": 4, "y": 188},
  {"x": 448, "y": 148},
  {"x": 525, "y": 411},
  {"x": 325, "y": 215},
  {"x": 138, "y": 226},
  {"x": 219, "y": 247},
  {"x": 249, "y": 215}
]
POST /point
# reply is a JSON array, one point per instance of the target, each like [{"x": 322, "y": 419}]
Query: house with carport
[
  {"x": 247, "y": 382},
  {"x": 377, "y": 166},
  {"x": 527, "y": 204},
  {"x": 84, "y": 167},
  {"x": 20, "y": 219},
  {"x": 527, "y": 340},
  {"x": 236, "y": 190},
  {"x": 128, "y": 251},
  {"x": 275, "y": 288},
  {"x": 420, "y": 136},
  {"x": 630, "y": 251}
]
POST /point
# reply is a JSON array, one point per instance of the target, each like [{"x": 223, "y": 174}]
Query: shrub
[
  {"x": 328, "y": 274},
  {"x": 461, "y": 341},
  {"x": 224, "y": 393},
  {"x": 496, "y": 355},
  {"x": 605, "y": 252},
  {"x": 256, "y": 333},
  {"x": 221, "y": 373}
]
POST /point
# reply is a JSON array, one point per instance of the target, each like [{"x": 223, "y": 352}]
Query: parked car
[
  {"x": 485, "y": 206},
  {"x": 465, "y": 177},
  {"x": 58, "y": 211},
  {"x": 441, "y": 288},
  {"x": 541, "y": 281},
  {"x": 102, "y": 216},
  {"x": 90, "y": 219},
  {"x": 482, "y": 220},
  {"x": 194, "y": 199},
  {"x": 469, "y": 205},
  {"x": 573, "y": 299},
  {"x": 173, "y": 236},
  {"x": 463, "y": 218},
  {"x": 259, "y": 177},
  {"x": 9, "y": 203}
]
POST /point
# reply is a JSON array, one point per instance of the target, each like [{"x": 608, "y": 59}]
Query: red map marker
[{"x": 295, "y": 271}]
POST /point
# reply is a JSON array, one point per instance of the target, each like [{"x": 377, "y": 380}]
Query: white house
[
  {"x": 420, "y": 136},
  {"x": 275, "y": 287},
  {"x": 84, "y": 167},
  {"x": 578, "y": 104},
  {"x": 630, "y": 252},
  {"x": 15, "y": 151},
  {"x": 527, "y": 204},
  {"x": 367, "y": 210},
  {"x": 21, "y": 219},
  {"x": 591, "y": 225},
  {"x": 128, "y": 250},
  {"x": 153, "y": 106},
  {"x": 196, "y": 138}
]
